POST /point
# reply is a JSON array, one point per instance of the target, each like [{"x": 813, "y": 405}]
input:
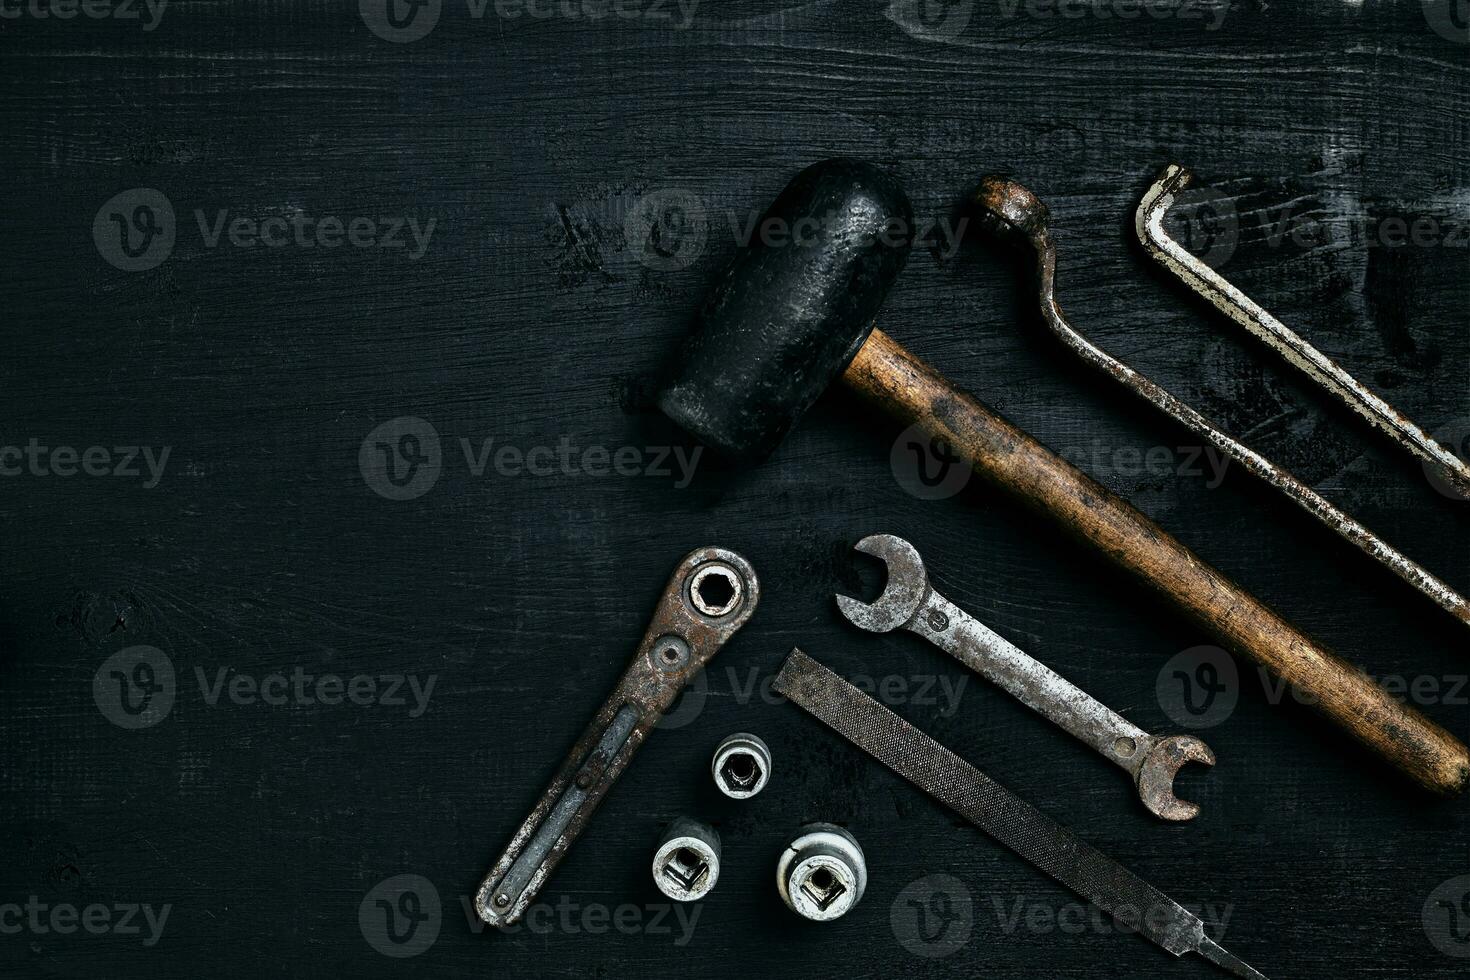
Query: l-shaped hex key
[{"x": 1009, "y": 209}]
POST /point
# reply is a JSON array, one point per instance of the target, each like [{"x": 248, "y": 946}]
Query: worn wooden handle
[{"x": 912, "y": 391}]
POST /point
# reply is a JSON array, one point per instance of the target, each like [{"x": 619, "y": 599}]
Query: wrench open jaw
[
  {"x": 902, "y": 597},
  {"x": 1155, "y": 775},
  {"x": 909, "y": 602}
]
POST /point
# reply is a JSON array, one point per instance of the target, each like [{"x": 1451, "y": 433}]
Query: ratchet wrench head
[
  {"x": 902, "y": 597},
  {"x": 1157, "y": 771}
]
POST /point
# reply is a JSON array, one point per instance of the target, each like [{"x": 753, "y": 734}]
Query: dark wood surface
[{"x": 529, "y": 318}]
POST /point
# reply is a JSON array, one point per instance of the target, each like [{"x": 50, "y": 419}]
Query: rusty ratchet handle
[
  {"x": 710, "y": 596},
  {"x": 911, "y": 391}
]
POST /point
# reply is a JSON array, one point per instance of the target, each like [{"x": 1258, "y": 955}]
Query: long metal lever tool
[
  {"x": 1130, "y": 900},
  {"x": 710, "y": 596},
  {"x": 1010, "y": 209},
  {"x": 1149, "y": 225}
]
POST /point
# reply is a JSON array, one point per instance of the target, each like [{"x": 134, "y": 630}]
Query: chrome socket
[
  {"x": 741, "y": 766},
  {"x": 686, "y": 864},
  {"x": 822, "y": 873}
]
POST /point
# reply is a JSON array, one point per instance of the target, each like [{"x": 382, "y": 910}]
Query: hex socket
[{"x": 741, "y": 765}]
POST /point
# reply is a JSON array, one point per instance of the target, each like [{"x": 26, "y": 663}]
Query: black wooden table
[{"x": 276, "y": 684}]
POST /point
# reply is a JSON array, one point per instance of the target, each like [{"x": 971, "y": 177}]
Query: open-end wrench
[
  {"x": 710, "y": 595},
  {"x": 909, "y": 602}
]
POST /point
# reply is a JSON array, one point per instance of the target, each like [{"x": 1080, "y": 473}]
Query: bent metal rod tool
[
  {"x": 910, "y": 602},
  {"x": 787, "y": 317},
  {"x": 1149, "y": 225},
  {"x": 1011, "y": 211},
  {"x": 1010, "y": 820},
  {"x": 710, "y": 596}
]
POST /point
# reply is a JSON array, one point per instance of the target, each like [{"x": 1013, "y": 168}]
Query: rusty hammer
[{"x": 796, "y": 310}]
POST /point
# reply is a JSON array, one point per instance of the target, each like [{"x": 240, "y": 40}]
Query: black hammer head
[{"x": 792, "y": 309}]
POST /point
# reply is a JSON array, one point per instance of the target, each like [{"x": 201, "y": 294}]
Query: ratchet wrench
[
  {"x": 909, "y": 602},
  {"x": 709, "y": 597}
]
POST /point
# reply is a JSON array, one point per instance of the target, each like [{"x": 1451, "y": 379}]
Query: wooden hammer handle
[{"x": 912, "y": 391}]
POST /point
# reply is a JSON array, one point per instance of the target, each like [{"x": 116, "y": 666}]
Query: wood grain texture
[
  {"x": 901, "y": 386},
  {"x": 530, "y": 319}
]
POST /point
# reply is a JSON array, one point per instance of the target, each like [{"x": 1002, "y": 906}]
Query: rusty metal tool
[
  {"x": 1009, "y": 210},
  {"x": 1149, "y": 224},
  {"x": 911, "y": 603},
  {"x": 1132, "y": 902},
  {"x": 710, "y": 596},
  {"x": 789, "y": 316}
]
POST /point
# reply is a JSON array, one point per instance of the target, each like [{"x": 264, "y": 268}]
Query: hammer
[{"x": 795, "y": 310}]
